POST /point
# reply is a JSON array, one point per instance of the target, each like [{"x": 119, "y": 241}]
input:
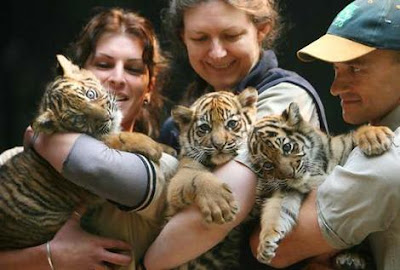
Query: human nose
[
  {"x": 217, "y": 49},
  {"x": 117, "y": 77},
  {"x": 340, "y": 83}
]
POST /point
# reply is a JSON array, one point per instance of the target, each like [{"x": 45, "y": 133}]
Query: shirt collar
[{"x": 392, "y": 120}]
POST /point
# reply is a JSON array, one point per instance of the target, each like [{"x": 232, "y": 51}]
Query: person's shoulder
[
  {"x": 384, "y": 166},
  {"x": 286, "y": 89}
]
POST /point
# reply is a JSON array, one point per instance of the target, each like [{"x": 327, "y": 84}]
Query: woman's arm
[
  {"x": 187, "y": 229},
  {"x": 71, "y": 248},
  {"x": 33, "y": 258},
  {"x": 125, "y": 178}
]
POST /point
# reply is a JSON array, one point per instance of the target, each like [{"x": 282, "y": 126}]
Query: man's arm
[
  {"x": 305, "y": 241},
  {"x": 186, "y": 235}
]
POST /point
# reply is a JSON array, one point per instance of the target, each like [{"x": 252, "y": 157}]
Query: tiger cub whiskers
[
  {"x": 36, "y": 200},
  {"x": 291, "y": 158},
  {"x": 212, "y": 131}
]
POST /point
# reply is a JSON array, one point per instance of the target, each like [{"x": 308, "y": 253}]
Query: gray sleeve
[
  {"x": 358, "y": 199},
  {"x": 127, "y": 179}
]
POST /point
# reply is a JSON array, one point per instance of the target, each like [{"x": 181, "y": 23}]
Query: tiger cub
[
  {"x": 35, "y": 199},
  {"x": 291, "y": 158},
  {"x": 212, "y": 131}
]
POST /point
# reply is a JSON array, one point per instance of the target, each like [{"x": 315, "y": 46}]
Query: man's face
[{"x": 369, "y": 86}]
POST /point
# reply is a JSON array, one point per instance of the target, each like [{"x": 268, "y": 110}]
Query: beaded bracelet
[{"x": 48, "y": 252}]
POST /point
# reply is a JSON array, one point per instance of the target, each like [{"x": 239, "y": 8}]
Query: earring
[{"x": 146, "y": 99}]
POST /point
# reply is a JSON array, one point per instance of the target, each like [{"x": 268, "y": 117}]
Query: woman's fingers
[
  {"x": 117, "y": 258},
  {"x": 115, "y": 251},
  {"x": 78, "y": 213}
]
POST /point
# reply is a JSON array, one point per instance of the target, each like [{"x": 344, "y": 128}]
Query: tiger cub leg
[
  {"x": 278, "y": 217},
  {"x": 193, "y": 183},
  {"x": 373, "y": 140},
  {"x": 135, "y": 142}
]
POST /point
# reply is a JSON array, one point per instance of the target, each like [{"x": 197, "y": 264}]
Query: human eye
[
  {"x": 102, "y": 64},
  {"x": 135, "y": 70},
  {"x": 232, "y": 37},
  {"x": 355, "y": 69},
  {"x": 198, "y": 38}
]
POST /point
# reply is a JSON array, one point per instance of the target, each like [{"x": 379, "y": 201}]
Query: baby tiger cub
[
  {"x": 291, "y": 158},
  {"x": 212, "y": 131},
  {"x": 35, "y": 199}
]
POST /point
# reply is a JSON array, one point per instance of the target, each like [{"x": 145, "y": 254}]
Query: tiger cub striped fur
[
  {"x": 291, "y": 158},
  {"x": 35, "y": 200},
  {"x": 212, "y": 131}
]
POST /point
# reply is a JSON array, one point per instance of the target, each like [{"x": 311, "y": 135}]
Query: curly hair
[{"x": 259, "y": 11}]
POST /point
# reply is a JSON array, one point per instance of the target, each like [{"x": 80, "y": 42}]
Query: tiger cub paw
[
  {"x": 347, "y": 260},
  {"x": 374, "y": 140},
  {"x": 217, "y": 204},
  {"x": 135, "y": 142},
  {"x": 169, "y": 150},
  {"x": 268, "y": 244}
]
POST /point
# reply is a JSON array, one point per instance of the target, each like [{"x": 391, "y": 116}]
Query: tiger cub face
[
  {"x": 277, "y": 146},
  {"x": 213, "y": 129},
  {"x": 76, "y": 101}
]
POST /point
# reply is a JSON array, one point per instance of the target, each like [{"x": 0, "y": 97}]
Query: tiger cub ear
[
  {"x": 292, "y": 115},
  {"x": 45, "y": 122},
  {"x": 182, "y": 115},
  {"x": 69, "y": 70},
  {"x": 248, "y": 99}
]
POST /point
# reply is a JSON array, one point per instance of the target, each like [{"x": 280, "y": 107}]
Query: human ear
[{"x": 263, "y": 29}]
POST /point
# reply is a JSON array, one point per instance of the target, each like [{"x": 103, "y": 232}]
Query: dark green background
[{"x": 33, "y": 32}]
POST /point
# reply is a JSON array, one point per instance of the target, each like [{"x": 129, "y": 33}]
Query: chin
[
  {"x": 354, "y": 120},
  {"x": 222, "y": 158}
]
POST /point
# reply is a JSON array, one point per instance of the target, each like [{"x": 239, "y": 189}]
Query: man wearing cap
[{"x": 360, "y": 200}]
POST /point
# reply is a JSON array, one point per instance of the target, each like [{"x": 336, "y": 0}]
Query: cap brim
[{"x": 331, "y": 48}]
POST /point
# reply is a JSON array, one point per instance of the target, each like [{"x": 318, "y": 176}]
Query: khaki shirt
[{"x": 362, "y": 199}]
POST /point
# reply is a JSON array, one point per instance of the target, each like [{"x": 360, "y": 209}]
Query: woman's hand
[
  {"x": 54, "y": 148},
  {"x": 73, "y": 248}
]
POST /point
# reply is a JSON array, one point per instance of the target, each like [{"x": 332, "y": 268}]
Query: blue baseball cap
[{"x": 360, "y": 28}]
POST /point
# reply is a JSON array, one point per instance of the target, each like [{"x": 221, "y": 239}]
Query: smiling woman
[
  {"x": 121, "y": 49},
  {"x": 123, "y": 52},
  {"x": 118, "y": 63},
  {"x": 223, "y": 48},
  {"x": 229, "y": 45}
]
